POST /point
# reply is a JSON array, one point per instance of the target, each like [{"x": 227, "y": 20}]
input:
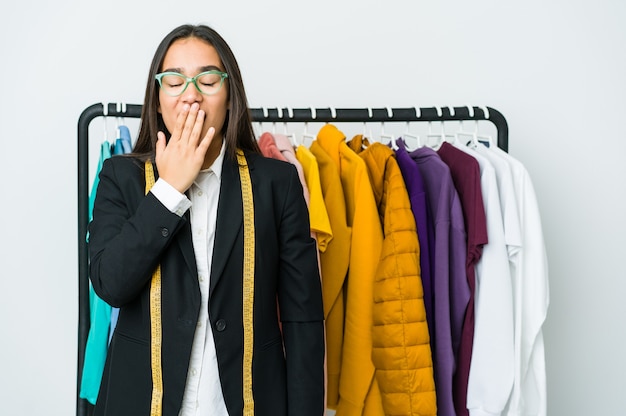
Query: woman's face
[{"x": 191, "y": 56}]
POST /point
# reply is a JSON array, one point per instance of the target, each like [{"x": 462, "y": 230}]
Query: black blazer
[{"x": 132, "y": 232}]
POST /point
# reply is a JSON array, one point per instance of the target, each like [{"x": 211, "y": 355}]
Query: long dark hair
[{"x": 237, "y": 130}]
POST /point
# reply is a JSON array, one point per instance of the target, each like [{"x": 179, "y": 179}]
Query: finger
[
  {"x": 160, "y": 143},
  {"x": 204, "y": 144},
  {"x": 197, "y": 129},
  {"x": 190, "y": 121},
  {"x": 159, "y": 148},
  {"x": 180, "y": 123}
]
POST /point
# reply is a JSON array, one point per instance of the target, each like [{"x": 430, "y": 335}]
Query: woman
[{"x": 184, "y": 342}]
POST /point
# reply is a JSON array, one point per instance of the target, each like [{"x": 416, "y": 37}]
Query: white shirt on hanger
[{"x": 531, "y": 292}]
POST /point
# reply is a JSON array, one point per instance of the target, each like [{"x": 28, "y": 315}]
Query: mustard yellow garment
[
  {"x": 334, "y": 268},
  {"x": 358, "y": 390},
  {"x": 401, "y": 345},
  {"x": 318, "y": 215}
]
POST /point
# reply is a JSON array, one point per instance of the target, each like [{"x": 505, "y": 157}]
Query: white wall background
[{"x": 556, "y": 70}]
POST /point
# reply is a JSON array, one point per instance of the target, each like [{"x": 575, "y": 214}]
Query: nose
[{"x": 191, "y": 94}]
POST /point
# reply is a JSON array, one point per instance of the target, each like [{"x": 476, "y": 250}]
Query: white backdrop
[{"x": 554, "y": 69}]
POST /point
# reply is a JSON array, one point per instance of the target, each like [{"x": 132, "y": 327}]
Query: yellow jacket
[
  {"x": 401, "y": 345},
  {"x": 334, "y": 260},
  {"x": 358, "y": 388}
]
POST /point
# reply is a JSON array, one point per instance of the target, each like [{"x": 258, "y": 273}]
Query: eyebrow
[{"x": 200, "y": 69}]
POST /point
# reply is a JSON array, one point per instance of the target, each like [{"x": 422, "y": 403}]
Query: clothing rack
[{"x": 271, "y": 115}]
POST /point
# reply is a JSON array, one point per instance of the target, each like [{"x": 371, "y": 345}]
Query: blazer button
[
  {"x": 220, "y": 325},
  {"x": 165, "y": 232}
]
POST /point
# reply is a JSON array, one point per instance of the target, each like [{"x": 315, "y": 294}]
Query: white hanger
[
  {"x": 291, "y": 136},
  {"x": 105, "y": 111},
  {"x": 305, "y": 133},
  {"x": 466, "y": 133},
  {"x": 487, "y": 140},
  {"x": 365, "y": 134},
  {"x": 408, "y": 134},
  {"x": 451, "y": 138},
  {"x": 441, "y": 136},
  {"x": 280, "y": 115},
  {"x": 383, "y": 135},
  {"x": 474, "y": 137}
]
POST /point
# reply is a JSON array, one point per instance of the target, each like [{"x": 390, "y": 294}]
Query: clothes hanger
[
  {"x": 105, "y": 117},
  {"x": 365, "y": 134},
  {"x": 485, "y": 139},
  {"x": 471, "y": 136},
  {"x": 305, "y": 133},
  {"x": 474, "y": 138},
  {"x": 407, "y": 134},
  {"x": 440, "y": 137},
  {"x": 383, "y": 135},
  {"x": 291, "y": 136},
  {"x": 280, "y": 115}
]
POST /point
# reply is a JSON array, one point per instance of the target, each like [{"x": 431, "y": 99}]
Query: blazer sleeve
[
  {"x": 128, "y": 233},
  {"x": 300, "y": 304}
]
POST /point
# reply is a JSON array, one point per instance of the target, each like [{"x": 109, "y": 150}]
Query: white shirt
[
  {"x": 532, "y": 297},
  {"x": 203, "y": 392}
]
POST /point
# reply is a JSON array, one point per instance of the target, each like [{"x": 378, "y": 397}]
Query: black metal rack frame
[{"x": 283, "y": 115}]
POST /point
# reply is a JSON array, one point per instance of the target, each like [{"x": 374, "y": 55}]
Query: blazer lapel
[{"x": 229, "y": 219}]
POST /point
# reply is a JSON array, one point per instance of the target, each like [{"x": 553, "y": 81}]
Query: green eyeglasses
[{"x": 208, "y": 83}]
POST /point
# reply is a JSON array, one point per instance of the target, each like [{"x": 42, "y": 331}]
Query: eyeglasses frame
[{"x": 159, "y": 77}]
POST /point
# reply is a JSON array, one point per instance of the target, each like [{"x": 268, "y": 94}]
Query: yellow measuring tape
[
  {"x": 248, "y": 282},
  {"x": 156, "y": 405}
]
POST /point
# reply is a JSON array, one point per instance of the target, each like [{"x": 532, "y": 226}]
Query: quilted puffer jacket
[{"x": 401, "y": 348}]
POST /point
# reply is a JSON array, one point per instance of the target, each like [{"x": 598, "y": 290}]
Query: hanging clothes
[
  {"x": 401, "y": 346},
  {"x": 359, "y": 392},
  {"x": 451, "y": 291},
  {"x": 103, "y": 317},
  {"x": 318, "y": 215},
  {"x": 425, "y": 234},
  {"x": 491, "y": 369},
  {"x": 531, "y": 293},
  {"x": 123, "y": 142},
  {"x": 122, "y": 146},
  {"x": 268, "y": 147},
  {"x": 99, "y": 315},
  {"x": 465, "y": 173},
  {"x": 278, "y": 146},
  {"x": 334, "y": 262},
  {"x": 286, "y": 149}
]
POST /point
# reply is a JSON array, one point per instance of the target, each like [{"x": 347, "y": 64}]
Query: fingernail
[
  {"x": 186, "y": 107},
  {"x": 195, "y": 106}
]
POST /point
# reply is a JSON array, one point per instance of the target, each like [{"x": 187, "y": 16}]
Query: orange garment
[
  {"x": 358, "y": 389},
  {"x": 401, "y": 344},
  {"x": 334, "y": 262}
]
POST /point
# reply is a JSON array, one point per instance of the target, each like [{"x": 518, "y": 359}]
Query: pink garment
[
  {"x": 269, "y": 148},
  {"x": 286, "y": 149}
]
